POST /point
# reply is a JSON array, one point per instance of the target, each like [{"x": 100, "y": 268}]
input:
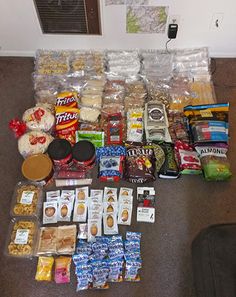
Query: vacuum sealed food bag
[
  {"x": 44, "y": 269},
  {"x": 215, "y": 164},
  {"x": 27, "y": 199},
  {"x": 208, "y": 123},
  {"x": 22, "y": 238},
  {"x": 34, "y": 142},
  {"x": 66, "y": 239},
  {"x": 50, "y": 62},
  {"x": 47, "y": 241}
]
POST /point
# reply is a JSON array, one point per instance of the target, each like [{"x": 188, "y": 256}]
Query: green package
[{"x": 96, "y": 137}]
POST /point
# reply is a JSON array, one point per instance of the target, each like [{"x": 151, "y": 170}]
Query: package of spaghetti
[
  {"x": 62, "y": 270},
  {"x": 44, "y": 269},
  {"x": 214, "y": 161},
  {"x": 208, "y": 123}
]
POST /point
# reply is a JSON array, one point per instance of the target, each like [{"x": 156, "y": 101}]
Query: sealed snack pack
[
  {"x": 188, "y": 160},
  {"x": 66, "y": 122},
  {"x": 47, "y": 241},
  {"x": 135, "y": 125},
  {"x": 62, "y": 270},
  {"x": 208, "y": 123},
  {"x": 44, "y": 269},
  {"x": 110, "y": 160},
  {"x": 26, "y": 200},
  {"x": 66, "y": 239},
  {"x": 177, "y": 126},
  {"x": 68, "y": 99},
  {"x": 214, "y": 161},
  {"x": 146, "y": 205},
  {"x": 139, "y": 164},
  {"x": 159, "y": 155},
  {"x": 96, "y": 137},
  {"x": 169, "y": 168}
]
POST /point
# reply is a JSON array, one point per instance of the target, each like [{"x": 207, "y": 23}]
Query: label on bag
[
  {"x": 21, "y": 236},
  {"x": 27, "y": 197}
]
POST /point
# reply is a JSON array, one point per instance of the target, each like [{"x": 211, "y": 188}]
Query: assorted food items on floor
[{"x": 135, "y": 116}]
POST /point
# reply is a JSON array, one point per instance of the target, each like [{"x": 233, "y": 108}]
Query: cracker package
[
  {"x": 125, "y": 214},
  {"x": 64, "y": 211},
  {"x": 110, "y": 226},
  {"x": 94, "y": 228},
  {"x": 80, "y": 211},
  {"x": 44, "y": 269}
]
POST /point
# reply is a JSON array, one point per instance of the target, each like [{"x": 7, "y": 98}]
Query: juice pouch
[
  {"x": 66, "y": 122},
  {"x": 44, "y": 269},
  {"x": 214, "y": 161},
  {"x": 62, "y": 270}
]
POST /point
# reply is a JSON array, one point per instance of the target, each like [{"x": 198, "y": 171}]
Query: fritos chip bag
[
  {"x": 66, "y": 122},
  {"x": 68, "y": 99}
]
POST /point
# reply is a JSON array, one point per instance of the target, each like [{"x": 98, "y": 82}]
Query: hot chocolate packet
[
  {"x": 64, "y": 211},
  {"x": 125, "y": 214},
  {"x": 110, "y": 226},
  {"x": 110, "y": 207},
  {"x": 94, "y": 229},
  {"x": 80, "y": 211},
  {"x": 53, "y": 196},
  {"x": 49, "y": 212},
  {"x": 81, "y": 193}
]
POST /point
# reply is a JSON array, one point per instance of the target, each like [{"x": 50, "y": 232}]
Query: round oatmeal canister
[
  {"x": 60, "y": 152},
  {"x": 37, "y": 168},
  {"x": 84, "y": 154}
]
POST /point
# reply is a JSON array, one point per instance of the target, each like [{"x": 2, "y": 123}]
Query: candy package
[
  {"x": 62, "y": 270},
  {"x": 169, "y": 168},
  {"x": 139, "y": 164},
  {"x": 208, "y": 123},
  {"x": 188, "y": 160},
  {"x": 214, "y": 161},
  {"x": 44, "y": 269},
  {"x": 110, "y": 160}
]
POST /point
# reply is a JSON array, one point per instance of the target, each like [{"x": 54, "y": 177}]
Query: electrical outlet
[
  {"x": 217, "y": 21},
  {"x": 174, "y": 19}
]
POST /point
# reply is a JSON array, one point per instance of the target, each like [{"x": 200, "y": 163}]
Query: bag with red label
[
  {"x": 66, "y": 122},
  {"x": 187, "y": 158}
]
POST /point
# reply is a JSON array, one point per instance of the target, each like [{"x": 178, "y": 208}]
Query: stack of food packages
[{"x": 134, "y": 114}]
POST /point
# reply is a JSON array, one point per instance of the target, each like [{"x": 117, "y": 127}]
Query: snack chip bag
[
  {"x": 68, "y": 99},
  {"x": 115, "y": 270},
  {"x": 214, "y": 161},
  {"x": 62, "y": 270},
  {"x": 132, "y": 267},
  {"x": 66, "y": 122},
  {"x": 44, "y": 269}
]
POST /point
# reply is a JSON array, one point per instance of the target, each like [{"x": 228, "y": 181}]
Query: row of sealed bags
[
  {"x": 133, "y": 92},
  {"x": 190, "y": 62}
]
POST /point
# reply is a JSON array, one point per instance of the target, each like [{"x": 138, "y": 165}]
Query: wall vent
[{"x": 69, "y": 16}]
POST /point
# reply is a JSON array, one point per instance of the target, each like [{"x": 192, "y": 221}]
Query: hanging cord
[{"x": 167, "y": 45}]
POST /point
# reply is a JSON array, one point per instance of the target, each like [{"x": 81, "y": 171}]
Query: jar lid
[
  {"x": 59, "y": 149},
  {"x": 83, "y": 151},
  {"x": 37, "y": 167}
]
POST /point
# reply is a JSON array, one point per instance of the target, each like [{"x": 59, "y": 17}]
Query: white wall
[{"x": 20, "y": 32}]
